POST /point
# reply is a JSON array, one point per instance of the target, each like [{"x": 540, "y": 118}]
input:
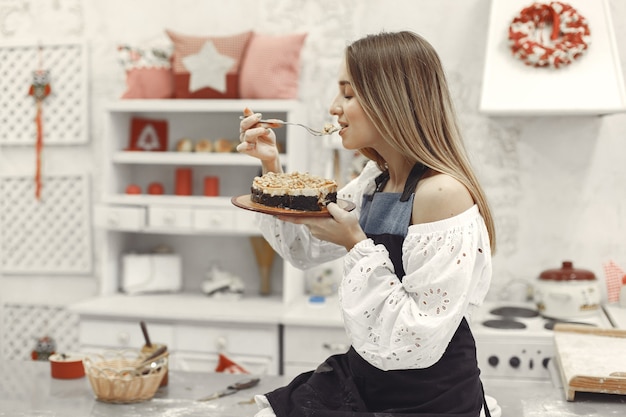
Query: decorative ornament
[
  {"x": 39, "y": 89},
  {"x": 208, "y": 68},
  {"x": 148, "y": 134},
  {"x": 569, "y": 39},
  {"x": 44, "y": 347}
]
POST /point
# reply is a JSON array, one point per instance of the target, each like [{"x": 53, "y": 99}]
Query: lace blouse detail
[
  {"x": 408, "y": 324},
  {"x": 394, "y": 324}
]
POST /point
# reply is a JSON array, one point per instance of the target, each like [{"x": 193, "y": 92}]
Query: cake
[
  {"x": 329, "y": 129},
  {"x": 296, "y": 191}
]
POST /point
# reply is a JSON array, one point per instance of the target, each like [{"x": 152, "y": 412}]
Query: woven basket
[{"x": 114, "y": 376}]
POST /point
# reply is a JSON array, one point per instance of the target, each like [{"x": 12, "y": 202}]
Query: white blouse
[{"x": 393, "y": 324}]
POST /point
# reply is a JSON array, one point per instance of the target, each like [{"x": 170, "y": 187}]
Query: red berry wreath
[{"x": 570, "y": 35}]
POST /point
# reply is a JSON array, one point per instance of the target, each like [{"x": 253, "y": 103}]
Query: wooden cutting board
[{"x": 590, "y": 359}]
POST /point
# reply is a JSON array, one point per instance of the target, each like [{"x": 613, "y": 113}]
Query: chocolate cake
[{"x": 296, "y": 191}]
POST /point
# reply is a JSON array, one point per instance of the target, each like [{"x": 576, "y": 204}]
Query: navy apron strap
[{"x": 411, "y": 182}]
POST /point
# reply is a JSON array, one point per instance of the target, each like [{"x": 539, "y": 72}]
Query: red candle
[
  {"x": 184, "y": 183},
  {"x": 211, "y": 186}
]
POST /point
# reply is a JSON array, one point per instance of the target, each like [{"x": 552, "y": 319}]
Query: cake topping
[
  {"x": 293, "y": 181},
  {"x": 330, "y": 128}
]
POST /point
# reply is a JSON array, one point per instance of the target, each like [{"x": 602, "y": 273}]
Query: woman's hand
[
  {"x": 342, "y": 228},
  {"x": 258, "y": 140}
]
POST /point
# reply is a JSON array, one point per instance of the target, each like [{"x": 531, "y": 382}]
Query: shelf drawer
[
  {"x": 234, "y": 339},
  {"x": 198, "y": 362},
  {"x": 120, "y": 218},
  {"x": 122, "y": 334},
  {"x": 213, "y": 219},
  {"x": 170, "y": 217},
  {"x": 245, "y": 221},
  {"x": 312, "y": 345}
]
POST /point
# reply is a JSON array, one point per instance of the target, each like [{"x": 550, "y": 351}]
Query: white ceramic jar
[{"x": 567, "y": 293}]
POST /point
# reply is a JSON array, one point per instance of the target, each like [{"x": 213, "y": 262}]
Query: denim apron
[{"x": 346, "y": 385}]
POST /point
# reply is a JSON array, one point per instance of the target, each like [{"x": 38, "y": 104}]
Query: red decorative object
[
  {"x": 155, "y": 188},
  {"x": 211, "y": 186},
  {"x": 148, "y": 135},
  {"x": 228, "y": 366},
  {"x": 569, "y": 39},
  {"x": 184, "y": 183},
  {"x": 39, "y": 89},
  {"x": 64, "y": 366},
  {"x": 133, "y": 189}
]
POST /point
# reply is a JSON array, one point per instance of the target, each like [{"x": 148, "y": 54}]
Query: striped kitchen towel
[{"x": 613, "y": 275}]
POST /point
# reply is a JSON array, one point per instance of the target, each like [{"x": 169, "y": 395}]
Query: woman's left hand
[{"x": 342, "y": 228}]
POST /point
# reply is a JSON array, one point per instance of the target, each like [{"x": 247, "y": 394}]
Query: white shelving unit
[
  {"x": 202, "y": 230},
  {"x": 185, "y": 215}
]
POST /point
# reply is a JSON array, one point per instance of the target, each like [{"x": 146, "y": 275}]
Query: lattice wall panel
[
  {"x": 64, "y": 110},
  {"x": 49, "y": 236},
  {"x": 23, "y": 324}
]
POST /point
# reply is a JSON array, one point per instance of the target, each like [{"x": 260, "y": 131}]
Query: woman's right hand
[{"x": 258, "y": 139}]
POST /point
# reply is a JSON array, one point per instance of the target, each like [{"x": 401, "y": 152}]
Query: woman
[{"x": 417, "y": 248}]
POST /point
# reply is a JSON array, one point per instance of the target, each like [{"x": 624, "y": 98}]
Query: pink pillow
[
  {"x": 232, "y": 46},
  {"x": 148, "y": 72},
  {"x": 271, "y": 67},
  {"x": 149, "y": 83}
]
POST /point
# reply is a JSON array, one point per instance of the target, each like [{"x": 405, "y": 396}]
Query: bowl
[
  {"x": 124, "y": 376},
  {"x": 66, "y": 365}
]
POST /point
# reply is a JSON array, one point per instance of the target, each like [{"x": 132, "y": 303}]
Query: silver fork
[{"x": 328, "y": 129}]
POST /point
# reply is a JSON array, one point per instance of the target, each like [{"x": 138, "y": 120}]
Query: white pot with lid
[{"x": 567, "y": 293}]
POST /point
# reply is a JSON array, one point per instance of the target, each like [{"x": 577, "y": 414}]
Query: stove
[{"x": 514, "y": 341}]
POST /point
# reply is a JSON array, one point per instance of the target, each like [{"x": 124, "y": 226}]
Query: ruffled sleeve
[
  {"x": 295, "y": 244},
  {"x": 408, "y": 324}
]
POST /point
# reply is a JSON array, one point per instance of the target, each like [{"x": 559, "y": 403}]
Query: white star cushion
[{"x": 208, "y": 68}]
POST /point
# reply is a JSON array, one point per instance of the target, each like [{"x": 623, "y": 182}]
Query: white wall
[{"x": 555, "y": 182}]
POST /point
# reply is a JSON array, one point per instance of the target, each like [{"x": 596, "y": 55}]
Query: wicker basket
[{"x": 115, "y": 378}]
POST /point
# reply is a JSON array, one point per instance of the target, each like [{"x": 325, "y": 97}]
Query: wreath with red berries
[{"x": 569, "y": 39}]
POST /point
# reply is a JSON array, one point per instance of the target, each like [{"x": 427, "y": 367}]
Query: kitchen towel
[{"x": 613, "y": 275}]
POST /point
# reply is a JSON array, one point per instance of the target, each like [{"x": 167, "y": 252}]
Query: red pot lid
[{"x": 567, "y": 272}]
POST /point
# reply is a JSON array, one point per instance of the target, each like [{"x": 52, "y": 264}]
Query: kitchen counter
[
  {"x": 28, "y": 390},
  {"x": 543, "y": 398}
]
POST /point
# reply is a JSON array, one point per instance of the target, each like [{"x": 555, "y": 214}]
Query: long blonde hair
[{"x": 399, "y": 80}]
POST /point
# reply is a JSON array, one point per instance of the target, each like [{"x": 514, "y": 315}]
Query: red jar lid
[{"x": 567, "y": 272}]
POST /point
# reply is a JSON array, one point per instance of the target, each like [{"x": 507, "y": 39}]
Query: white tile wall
[{"x": 556, "y": 183}]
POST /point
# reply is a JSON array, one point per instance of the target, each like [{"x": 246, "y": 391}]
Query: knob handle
[
  {"x": 515, "y": 362},
  {"x": 123, "y": 338},
  {"x": 493, "y": 360}
]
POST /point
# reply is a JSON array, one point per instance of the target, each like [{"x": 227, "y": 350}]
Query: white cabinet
[
  {"x": 204, "y": 230},
  {"x": 305, "y": 347},
  {"x": 120, "y": 218},
  {"x": 311, "y": 333},
  {"x": 191, "y": 347}
]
